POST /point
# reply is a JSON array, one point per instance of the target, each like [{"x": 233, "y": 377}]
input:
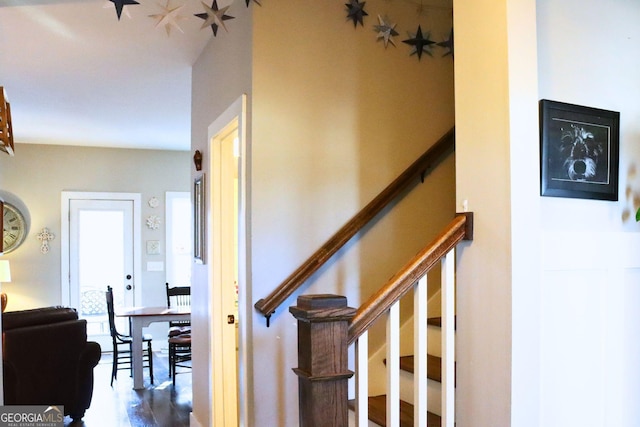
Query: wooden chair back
[{"x": 178, "y": 296}]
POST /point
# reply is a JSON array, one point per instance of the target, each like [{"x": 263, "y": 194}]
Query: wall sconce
[
  {"x": 6, "y": 130},
  {"x": 197, "y": 160},
  {"x": 5, "y": 277}
]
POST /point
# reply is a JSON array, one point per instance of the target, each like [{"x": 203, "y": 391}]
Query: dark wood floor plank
[{"x": 158, "y": 405}]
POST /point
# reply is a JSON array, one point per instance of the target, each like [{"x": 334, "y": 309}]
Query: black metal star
[
  {"x": 420, "y": 43},
  {"x": 120, "y": 4},
  {"x": 355, "y": 12},
  {"x": 214, "y": 17},
  {"x": 448, "y": 44}
]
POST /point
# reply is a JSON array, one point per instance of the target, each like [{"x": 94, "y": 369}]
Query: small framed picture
[
  {"x": 153, "y": 247},
  {"x": 199, "y": 216},
  {"x": 579, "y": 151}
]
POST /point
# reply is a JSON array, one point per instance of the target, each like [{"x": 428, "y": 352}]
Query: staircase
[
  {"x": 327, "y": 326},
  {"x": 378, "y": 404}
]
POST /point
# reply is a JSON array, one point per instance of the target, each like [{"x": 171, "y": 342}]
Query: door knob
[
  {"x": 128, "y": 277},
  {"x": 129, "y": 287},
  {"x": 231, "y": 319}
]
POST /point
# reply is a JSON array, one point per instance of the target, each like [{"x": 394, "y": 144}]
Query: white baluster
[
  {"x": 362, "y": 380},
  {"x": 448, "y": 339},
  {"x": 420, "y": 304},
  {"x": 393, "y": 366}
]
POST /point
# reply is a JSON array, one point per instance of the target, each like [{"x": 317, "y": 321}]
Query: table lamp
[{"x": 5, "y": 277}]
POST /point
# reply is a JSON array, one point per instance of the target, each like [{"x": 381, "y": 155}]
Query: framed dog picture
[{"x": 579, "y": 149}]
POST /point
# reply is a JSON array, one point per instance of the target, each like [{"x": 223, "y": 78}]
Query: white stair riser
[
  {"x": 352, "y": 420},
  {"x": 434, "y": 392},
  {"x": 377, "y": 368},
  {"x": 434, "y": 340}
]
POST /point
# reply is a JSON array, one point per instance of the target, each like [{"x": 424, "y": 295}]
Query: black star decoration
[
  {"x": 448, "y": 44},
  {"x": 355, "y": 12},
  {"x": 214, "y": 17},
  {"x": 120, "y": 4},
  {"x": 420, "y": 43},
  {"x": 255, "y": 1}
]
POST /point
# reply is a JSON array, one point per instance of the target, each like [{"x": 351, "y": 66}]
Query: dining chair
[
  {"x": 122, "y": 345},
  {"x": 179, "y": 335}
]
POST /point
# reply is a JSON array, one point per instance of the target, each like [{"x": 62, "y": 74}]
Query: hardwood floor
[{"x": 158, "y": 405}]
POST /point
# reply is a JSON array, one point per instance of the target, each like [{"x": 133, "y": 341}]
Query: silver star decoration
[
  {"x": 214, "y": 17},
  {"x": 169, "y": 17},
  {"x": 385, "y": 30}
]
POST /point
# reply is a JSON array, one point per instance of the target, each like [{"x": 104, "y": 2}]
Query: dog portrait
[
  {"x": 579, "y": 151},
  {"x": 583, "y": 157}
]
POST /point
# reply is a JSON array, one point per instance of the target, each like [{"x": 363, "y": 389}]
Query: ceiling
[{"x": 76, "y": 75}]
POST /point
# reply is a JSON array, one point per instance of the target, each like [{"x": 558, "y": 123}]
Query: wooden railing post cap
[
  {"x": 314, "y": 302},
  {"x": 323, "y": 307}
]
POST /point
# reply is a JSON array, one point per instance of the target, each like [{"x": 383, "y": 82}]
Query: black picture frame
[
  {"x": 579, "y": 151},
  {"x": 199, "y": 215}
]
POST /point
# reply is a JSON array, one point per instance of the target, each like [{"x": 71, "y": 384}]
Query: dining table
[{"x": 141, "y": 317}]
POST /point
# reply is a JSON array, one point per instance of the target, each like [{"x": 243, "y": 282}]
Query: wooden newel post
[{"x": 323, "y": 322}]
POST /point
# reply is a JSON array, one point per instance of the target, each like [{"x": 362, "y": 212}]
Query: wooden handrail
[
  {"x": 461, "y": 228},
  {"x": 431, "y": 158}
]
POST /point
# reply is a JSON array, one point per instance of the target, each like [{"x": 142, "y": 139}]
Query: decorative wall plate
[{"x": 153, "y": 222}]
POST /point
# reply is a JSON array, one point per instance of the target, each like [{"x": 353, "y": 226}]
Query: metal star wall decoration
[
  {"x": 214, "y": 17},
  {"x": 169, "y": 17},
  {"x": 120, "y": 4},
  {"x": 386, "y": 31},
  {"x": 448, "y": 44},
  {"x": 355, "y": 12},
  {"x": 108, "y": 5},
  {"x": 420, "y": 43}
]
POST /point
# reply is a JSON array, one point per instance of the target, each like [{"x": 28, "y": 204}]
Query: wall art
[
  {"x": 199, "y": 226},
  {"x": 579, "y": 151}
]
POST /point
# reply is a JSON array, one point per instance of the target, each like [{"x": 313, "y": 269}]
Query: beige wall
[
  {"x": 497, "y": 175},
  {"x": 336, "y": 117},
  {"x": 483, "y": 179},
  {"x": 39, "y": 173}
]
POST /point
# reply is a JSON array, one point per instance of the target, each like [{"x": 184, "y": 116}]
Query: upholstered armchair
[{"x": 47, "y": 359}]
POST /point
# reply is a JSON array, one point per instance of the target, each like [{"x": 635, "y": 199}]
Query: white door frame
[
  {"x": 236, "y": 112},
  {"x": 66, "y": 198}
]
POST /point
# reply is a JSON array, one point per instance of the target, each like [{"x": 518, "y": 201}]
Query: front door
[{"x": 101, "y": 253}]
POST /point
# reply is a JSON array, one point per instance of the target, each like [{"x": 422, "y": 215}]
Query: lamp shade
[{"x": 5, "y": 271}]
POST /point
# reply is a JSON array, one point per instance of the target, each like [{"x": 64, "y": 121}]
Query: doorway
[
  {"x": 98, "y": 250},
  {"x": 228, "y": 265}
]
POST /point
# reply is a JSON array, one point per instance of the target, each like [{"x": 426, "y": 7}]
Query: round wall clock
[{"x": 14, "y": 228}]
